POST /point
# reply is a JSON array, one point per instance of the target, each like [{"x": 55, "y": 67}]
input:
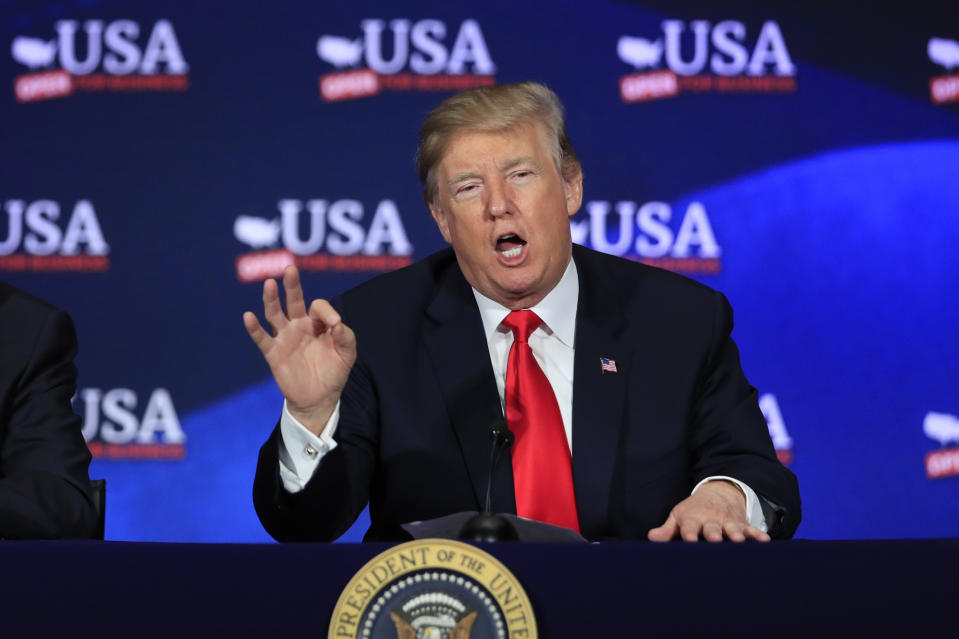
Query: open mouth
[{"x": 510, "y": 245}]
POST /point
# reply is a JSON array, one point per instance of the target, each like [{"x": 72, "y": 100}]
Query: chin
[
  {"x": 517, "y": 292},
  {"x": 516, "y": 285}
]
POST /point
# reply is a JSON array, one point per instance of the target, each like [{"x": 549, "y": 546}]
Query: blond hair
[{"x": 493, "y": 109}]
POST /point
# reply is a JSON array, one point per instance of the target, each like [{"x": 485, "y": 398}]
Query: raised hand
[{"x": 310, "y": 353}]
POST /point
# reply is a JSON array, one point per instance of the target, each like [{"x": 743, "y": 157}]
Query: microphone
[
  {"x": 502, "y": 438},
  {"x": 486, "y": 526}
]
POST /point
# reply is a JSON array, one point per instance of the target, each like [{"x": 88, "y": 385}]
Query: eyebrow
[{"x": 512, "y": 163}]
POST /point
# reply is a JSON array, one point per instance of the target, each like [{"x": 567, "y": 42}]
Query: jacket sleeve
[
  {"x": 44, "y": 462},
  {"x": 340, "y": 487},
  {"x": 730, "y": 436}
]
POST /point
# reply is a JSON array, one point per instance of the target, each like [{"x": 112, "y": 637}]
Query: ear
[
  {"x": 442, "y": 223},
  {"x": 573, "y": 186}
]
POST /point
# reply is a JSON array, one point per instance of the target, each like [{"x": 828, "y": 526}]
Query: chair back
[{"x": 98, "y": 488}]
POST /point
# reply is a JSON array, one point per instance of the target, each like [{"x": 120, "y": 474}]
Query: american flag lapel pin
[{"x": 608, "y": 365}]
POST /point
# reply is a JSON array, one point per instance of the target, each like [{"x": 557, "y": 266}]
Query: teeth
[{"x": 513, "y": 252}]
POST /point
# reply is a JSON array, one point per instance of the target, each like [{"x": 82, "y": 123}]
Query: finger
[
  {"x": 324, "y": 316},
  {"x": 260, "y": 337},
  {"x": 343, "y": 337},
  {"x": 665, "y": 532},
  {"x": 734, "y": 531},
  {"x": 271, "y": 306},
  {"x": 712, "y": 531},
  {"x": 751, "y": 532},
  {"x": 689, "y": 529},
  {"x": 295, "y": 307}
]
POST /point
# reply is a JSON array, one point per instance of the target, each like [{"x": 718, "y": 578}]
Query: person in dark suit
[
  {"x": 665, "y": 437},
  {"x": 44, "y": 462}
]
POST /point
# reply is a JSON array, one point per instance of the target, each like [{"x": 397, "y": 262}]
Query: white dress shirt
[{"x": 553, "y": 347}]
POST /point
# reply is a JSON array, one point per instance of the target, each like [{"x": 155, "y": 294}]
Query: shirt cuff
[
  {"x": 301, "y": 451},
  {"x": 754, "y": 510}
]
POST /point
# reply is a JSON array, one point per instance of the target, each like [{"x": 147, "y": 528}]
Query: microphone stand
[{"x": 486, "y": 526}]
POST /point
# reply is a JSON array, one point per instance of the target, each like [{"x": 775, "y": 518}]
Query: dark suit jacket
[
  {"x": 413, "y": 436},
  {"x": 44, "y": 485}
]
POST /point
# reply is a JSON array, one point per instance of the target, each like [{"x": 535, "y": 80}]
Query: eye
[{"x": 467, "y": 190}]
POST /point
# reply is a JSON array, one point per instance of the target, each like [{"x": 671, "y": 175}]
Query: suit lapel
[
  {"x": 454, "y": 338},
  {"x": 599, "y": 397}
]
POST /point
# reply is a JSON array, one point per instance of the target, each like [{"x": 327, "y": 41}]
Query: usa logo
[
  {"x": 322, "y": 235},
  {"x": 704, "y": 57},
  {"x": 46, "y": 235},
  {"x": 122, "y": 55},
  {"x": 424, "y": 55},
  {"x": 776, "y": 425},
  {"x": 945, "y": 53},
  {"x": 119, "y": 423},
  {"x": 944, "y": 428},
  {"x": 654, "y": 233}
]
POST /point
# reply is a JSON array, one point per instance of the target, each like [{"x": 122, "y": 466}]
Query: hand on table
[{"x": 716, "y": 511}]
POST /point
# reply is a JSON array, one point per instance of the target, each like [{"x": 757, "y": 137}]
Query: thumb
[
  {"x": 343, "y": 339},
  {"x": 665, "y": 532}
]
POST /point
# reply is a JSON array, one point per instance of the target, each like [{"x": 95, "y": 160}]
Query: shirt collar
[{"x": 557, "y": 309}]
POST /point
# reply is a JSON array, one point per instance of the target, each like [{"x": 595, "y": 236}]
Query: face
[{"x": 505, "y": 208}]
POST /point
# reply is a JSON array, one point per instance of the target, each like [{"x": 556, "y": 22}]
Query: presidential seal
[{"x": 433, "y": 589}]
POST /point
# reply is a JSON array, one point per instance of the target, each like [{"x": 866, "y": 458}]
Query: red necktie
[{"x": 542, "y": 465}]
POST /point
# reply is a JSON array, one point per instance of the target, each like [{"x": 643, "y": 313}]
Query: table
[{"x": 627, "y": 589}]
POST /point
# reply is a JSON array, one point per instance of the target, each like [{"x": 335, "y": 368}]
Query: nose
[{"x": 498, "y": 202}]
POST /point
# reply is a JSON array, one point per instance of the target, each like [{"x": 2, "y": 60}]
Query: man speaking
[{"x": 631, "y": 414}]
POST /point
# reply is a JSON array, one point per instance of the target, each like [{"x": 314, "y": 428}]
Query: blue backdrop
[{"x": 160, "y": 159}]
